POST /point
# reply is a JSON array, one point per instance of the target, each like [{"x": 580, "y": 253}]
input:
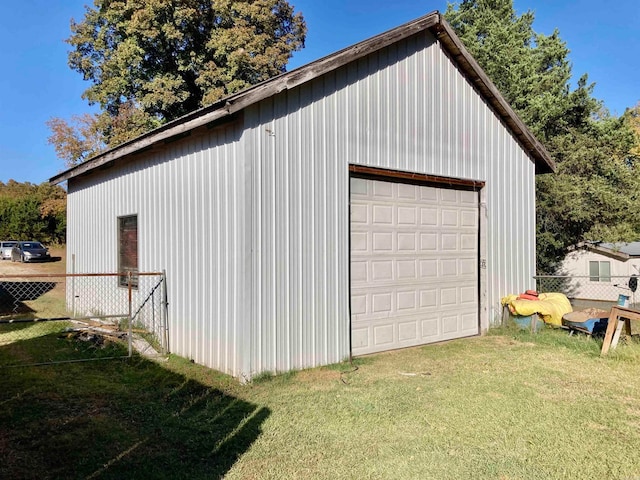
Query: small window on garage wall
[
  {"x": 600, "y": 271},
  {"x": 128, "y": 250}
]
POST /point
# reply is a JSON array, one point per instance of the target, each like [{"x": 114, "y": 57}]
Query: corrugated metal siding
[
  {"x": 253, "y": 227},
  {"x": 300, "y": 260},
  {"x": 405, "y": 108},
  {"x": 190, "y": 201}
]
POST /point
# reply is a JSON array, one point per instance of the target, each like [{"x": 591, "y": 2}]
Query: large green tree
[
  {"x": 632, "y": 119},
  {"x": 29, "y": 212},
  {"x": 593, "y": 196},
  {"x": 151, "y": 61},
  {"x": 530, "y": 69}
]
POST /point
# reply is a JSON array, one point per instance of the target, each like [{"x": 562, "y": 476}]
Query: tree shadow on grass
[
  {"x": 13, "y": 294},
  {"x": 117, "y": 419}
]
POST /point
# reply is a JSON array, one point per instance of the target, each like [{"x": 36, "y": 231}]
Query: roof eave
[
  {"x": 241, "y": 100},
  {"x": 594, "y": 247},
  {"x": 477, "y": 76}
]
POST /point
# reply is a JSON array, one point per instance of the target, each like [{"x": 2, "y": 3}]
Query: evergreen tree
[
  {"x": 593, "y": 195},
  {"x": 531, "y": 70}
]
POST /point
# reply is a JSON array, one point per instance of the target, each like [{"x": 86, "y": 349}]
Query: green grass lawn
[{"x": 509, "y": 405}]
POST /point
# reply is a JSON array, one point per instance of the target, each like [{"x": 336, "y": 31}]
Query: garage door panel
[
  {"x": 469, "y": 219},
  {"x": 359, "y": 243},
  {"x": 382, "y": 271},
  {"x": 428, "y": 242},
  {"x": 449, "y": 324},
  {"x": 407, "y": 191},
  {"x": 408, "y": 331},
  {"x": 449, "y": 241},
  {"x": 468, "y": 296},
  {"x": 395, "y": 301},
  {"x": 383, "y": 242},
  {"x": 469, "y": 322},
  {"x": 360, "y": 271},
  {"x": 448, "y": 297},
  {"x": 360, "y": 339},
  {"x": 408, "y": 270},
  {"x": 359, "y": 305},
  {"x": 468, "y": 267},
  {"x": 406, "y": 301},
  {"x": 429, "y": 217},
  {"x": 428, "y": 299},
  {"x": 449, "y": 196},
  {"x": 384, "y": 334},
  {"x": 389, "y": 272},
  {"x": 359, "y": 213},
  {"x": 380, "y": 189},
  {"x": 382, "y": 303},
  {"x": 468, "y": 197},
  {"x": 429, "y": 194},
  {"x": 468, "y": 242},
  {"x": 407, "y": 216},
  {"x": 400, "y": 242},
  {"x": 407, "y": 242},
  {"x": 382, "y": 214},
  {"x": 413, "y": 264},
  {"x": 430, "y": 328},
  {"x": 449, "y": 268},
  {"x": 449, "y": 217},
  {"x": 359, "y": 187}
]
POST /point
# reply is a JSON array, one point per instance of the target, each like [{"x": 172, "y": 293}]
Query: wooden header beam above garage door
[{"x": 410, "y": 177}]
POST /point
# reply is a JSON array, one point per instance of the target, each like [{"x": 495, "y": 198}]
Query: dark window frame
[{"x": 128, "y": 253}]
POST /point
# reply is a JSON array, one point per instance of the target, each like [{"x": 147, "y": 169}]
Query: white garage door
[{"x": 414, "y": 260}]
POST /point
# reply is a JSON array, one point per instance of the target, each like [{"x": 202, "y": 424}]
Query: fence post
[
  {"x": 164, "y": 307},
  {"x": 130, "y": 315},
  {"x": 73, "y": 285}
]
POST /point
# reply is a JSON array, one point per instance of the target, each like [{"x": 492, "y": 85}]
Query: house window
[
  {"x": 128, "y": 250},
  {"x": 600, "y": 271}
]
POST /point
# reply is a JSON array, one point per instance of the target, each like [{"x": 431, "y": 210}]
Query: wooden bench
[{"x": 618, "y": 316}]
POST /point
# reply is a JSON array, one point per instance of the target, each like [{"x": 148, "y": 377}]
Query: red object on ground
[{"x": 527, "y": 296}]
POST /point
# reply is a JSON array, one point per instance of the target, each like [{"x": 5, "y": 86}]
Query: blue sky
[{"x": 36, "y": 83}]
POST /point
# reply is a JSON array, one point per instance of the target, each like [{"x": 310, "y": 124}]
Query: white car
[{"x": 5, "y": 249}]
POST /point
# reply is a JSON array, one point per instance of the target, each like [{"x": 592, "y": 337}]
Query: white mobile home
[
  {"x": 378, "y": 198},
  {"x": 601, "y": 271}
]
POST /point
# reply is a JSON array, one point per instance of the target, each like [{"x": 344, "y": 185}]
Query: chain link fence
[
  {"x": 591, "y": 292},
  {"x": 56, "y": 318}
]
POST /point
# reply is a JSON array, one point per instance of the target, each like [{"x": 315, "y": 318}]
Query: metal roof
[
  {"x": 226, "y": 107},
  {"x": 632, "y": 249},
  {"x": 621, "y": 250}
]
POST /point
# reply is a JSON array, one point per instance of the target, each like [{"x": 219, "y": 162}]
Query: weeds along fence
[
  {"x": 56, "y": 318},
  {"x": 590, "y": 291}
]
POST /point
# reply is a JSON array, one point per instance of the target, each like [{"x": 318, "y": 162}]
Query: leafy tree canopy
[
  {"x": 32, "y": 212},
  {"x": 87, "y": 135},
  {"x": 530, "y": 69},
  {"x": 153, "y": 61},
  {"x": 594, "y": 194},
  {"x": 632, "y": 120},
  {"x": 171, "y": 57}
]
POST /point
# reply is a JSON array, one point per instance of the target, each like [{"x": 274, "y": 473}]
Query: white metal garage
[
  {"x": 414, "y": 264},
  {"x": 261, "y": 181}
]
